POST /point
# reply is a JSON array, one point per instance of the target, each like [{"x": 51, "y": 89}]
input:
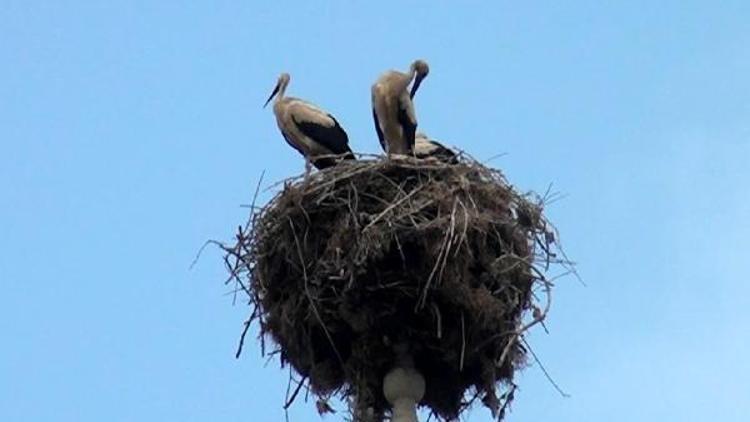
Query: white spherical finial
[{"x": 404, "y": 387}]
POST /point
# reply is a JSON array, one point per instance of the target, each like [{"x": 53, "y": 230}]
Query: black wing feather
[
  {"x": 409, "y": 128},
  {"x": 332, "y": 137},
  {"x": 379, "y": 131}
]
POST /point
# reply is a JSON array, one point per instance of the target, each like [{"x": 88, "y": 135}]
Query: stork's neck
[
  {"x": 282, "y": 91},
  {"x": 412, "y": 71},
  {"x": 407, "y": 78}
]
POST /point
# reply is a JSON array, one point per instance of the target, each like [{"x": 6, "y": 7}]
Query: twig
[
  {"x": 309, "y": 296},
  {"x": 255, "y": 197},
  {"x": 200, "y": 251},
  {"x": 494, "y": 157},
  {"x": 290, "y": 400},
  {"x": 439, "y": 320},
  {"x": 537, "y": 319},
  {"x": 440, "y": 261},
  {"x": 242, "y": 337},
  {"x": 544, "y": 370},
  {"x": 392, "y": 206},
  {"x": 463, "y": 343},
  {"x": 508, "y": 399}
]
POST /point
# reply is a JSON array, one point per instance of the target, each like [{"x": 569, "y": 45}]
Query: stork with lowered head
[
  {"x": 393, "y": 109},
  {"x": 424, "y": 147},
  {"x": 313, "y": 132}
]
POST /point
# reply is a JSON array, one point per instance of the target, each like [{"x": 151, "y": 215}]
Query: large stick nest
[{"x": 344, "y": 263}]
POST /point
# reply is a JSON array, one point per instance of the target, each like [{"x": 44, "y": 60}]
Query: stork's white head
[
  {"x": 421, "y": 69},
  {"x": 280, "y": 87}
]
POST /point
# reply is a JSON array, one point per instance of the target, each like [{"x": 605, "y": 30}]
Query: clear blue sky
[{"x": 133, "y": 131}]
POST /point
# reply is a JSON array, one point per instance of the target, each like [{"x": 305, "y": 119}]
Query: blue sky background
[{"x": 131, "y": 132}]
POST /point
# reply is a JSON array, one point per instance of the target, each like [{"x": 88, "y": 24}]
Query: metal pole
[{"x": 403, "y": 387}]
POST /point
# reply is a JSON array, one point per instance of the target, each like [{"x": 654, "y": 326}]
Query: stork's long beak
[
  {"x": 273, "y": 94},
  {"x": 415, "y": 86}
]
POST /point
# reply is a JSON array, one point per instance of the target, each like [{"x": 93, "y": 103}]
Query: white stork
[
  {"x": 308, "y": 129},
  {"x": 393, "y": 110},
  {"x": 425, "y": 147}
]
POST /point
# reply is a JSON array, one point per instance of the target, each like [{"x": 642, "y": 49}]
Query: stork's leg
[
  {"x": 308, "y": 167},
  {"x": 308, "y": 170}
]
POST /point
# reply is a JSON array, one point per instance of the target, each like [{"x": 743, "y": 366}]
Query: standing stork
[
  {"x": 311, "y": 131},
  {"x": 425, "y": 147},
  {"x": 393, "y": 109}
]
